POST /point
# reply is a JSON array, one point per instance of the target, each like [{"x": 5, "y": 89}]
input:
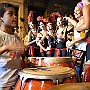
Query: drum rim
[
  {"x": 53, "y": 59},
  {"x": 54, "y": 77}
]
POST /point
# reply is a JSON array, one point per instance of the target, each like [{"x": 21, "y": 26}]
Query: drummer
[
  {"x": 79, "y": 37},
  {"x": 11, "y": 46},
  {"x": 86, "y": 25}
]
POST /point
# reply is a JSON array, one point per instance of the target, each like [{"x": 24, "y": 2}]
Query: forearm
[
  {"x": 40, "y": 45},
  {"x": 75, "y": 41},
  {"x": 82, "y": 27},
  {"x": 29, "y": 37},
  {"x": 72, "y": 21},
  {"x": 78, "y": 40},
  {"x": 31, "y": 42},
  {"x": 3, "y": 49}
]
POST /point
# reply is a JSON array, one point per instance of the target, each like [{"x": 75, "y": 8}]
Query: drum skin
[
  {"x": 44, "y": 78},
  {"x": 71, "y": 86}
]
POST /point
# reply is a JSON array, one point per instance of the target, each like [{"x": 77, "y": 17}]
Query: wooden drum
[
  {"x": 53, "y": 61},
  {"x": 42, "y": 78},
  {"x": 86, "y": 73},
  {"x": 71, "y": 86}
]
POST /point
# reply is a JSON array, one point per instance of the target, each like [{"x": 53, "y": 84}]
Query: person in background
[
  {"x": 11, "y": 47},
  {"x": 86, "y": 25},
  {"x": 32, "y": 34},
  {"x": 60, "y": 39},
  {"x": 41, "y": 39},
  {"x": 79, "y": 37},
  {"x": 51, "y": 39},
  {"x": 30, "y": 17}
]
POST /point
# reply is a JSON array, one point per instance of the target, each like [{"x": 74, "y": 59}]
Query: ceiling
[{"x": 66, "y": 6}]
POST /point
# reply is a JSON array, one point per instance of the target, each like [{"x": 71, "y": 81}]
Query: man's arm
[
  {"x": 3, "y": 49},
  {"x": 86, "y": 15}
]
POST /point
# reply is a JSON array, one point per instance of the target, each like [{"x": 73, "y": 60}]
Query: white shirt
[{"x": 8, "y": 65}]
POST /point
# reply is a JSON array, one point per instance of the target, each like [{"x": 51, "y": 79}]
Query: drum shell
[
  {"x": 32, "y": 84},
  {"x": 43, "y": 83},
  {"x": 86, "y": 73},
  {"x": 53, "y": 61}
]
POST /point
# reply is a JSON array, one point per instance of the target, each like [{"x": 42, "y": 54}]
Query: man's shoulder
[{"x": 87, "y": 6}]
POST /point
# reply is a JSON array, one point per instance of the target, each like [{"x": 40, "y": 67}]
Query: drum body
[
  {"x": 72, "y": 86},
  {"x": 32, "y": 84},
  {"x": 45, "y": 77},
  {"x": 53, "y": 61},
  {"x": 86, "y": 73}
]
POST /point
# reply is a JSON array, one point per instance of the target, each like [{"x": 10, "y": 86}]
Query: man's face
[
  {"x": 9, "y": 18},
  {"x": 77, "y": 12}
]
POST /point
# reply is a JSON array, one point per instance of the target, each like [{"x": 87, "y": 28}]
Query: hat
[{"x": 80, "y": 5}]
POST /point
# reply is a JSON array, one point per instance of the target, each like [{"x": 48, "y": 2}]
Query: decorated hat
[{"x": 80, "y": 5}]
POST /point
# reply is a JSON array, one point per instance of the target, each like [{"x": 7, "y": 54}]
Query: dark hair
[
  {"x": 3, "y": 7},
  {"x": 88, "y": 0}
]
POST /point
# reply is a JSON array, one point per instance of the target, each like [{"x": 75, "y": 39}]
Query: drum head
[
  {"x": 72, "y": 86},
  {"x": 53, "y": 73},
  {"x": 45, "y": 71},
  {"x": 58, "y": 59},
  {"x": 53, "y": 59}
]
